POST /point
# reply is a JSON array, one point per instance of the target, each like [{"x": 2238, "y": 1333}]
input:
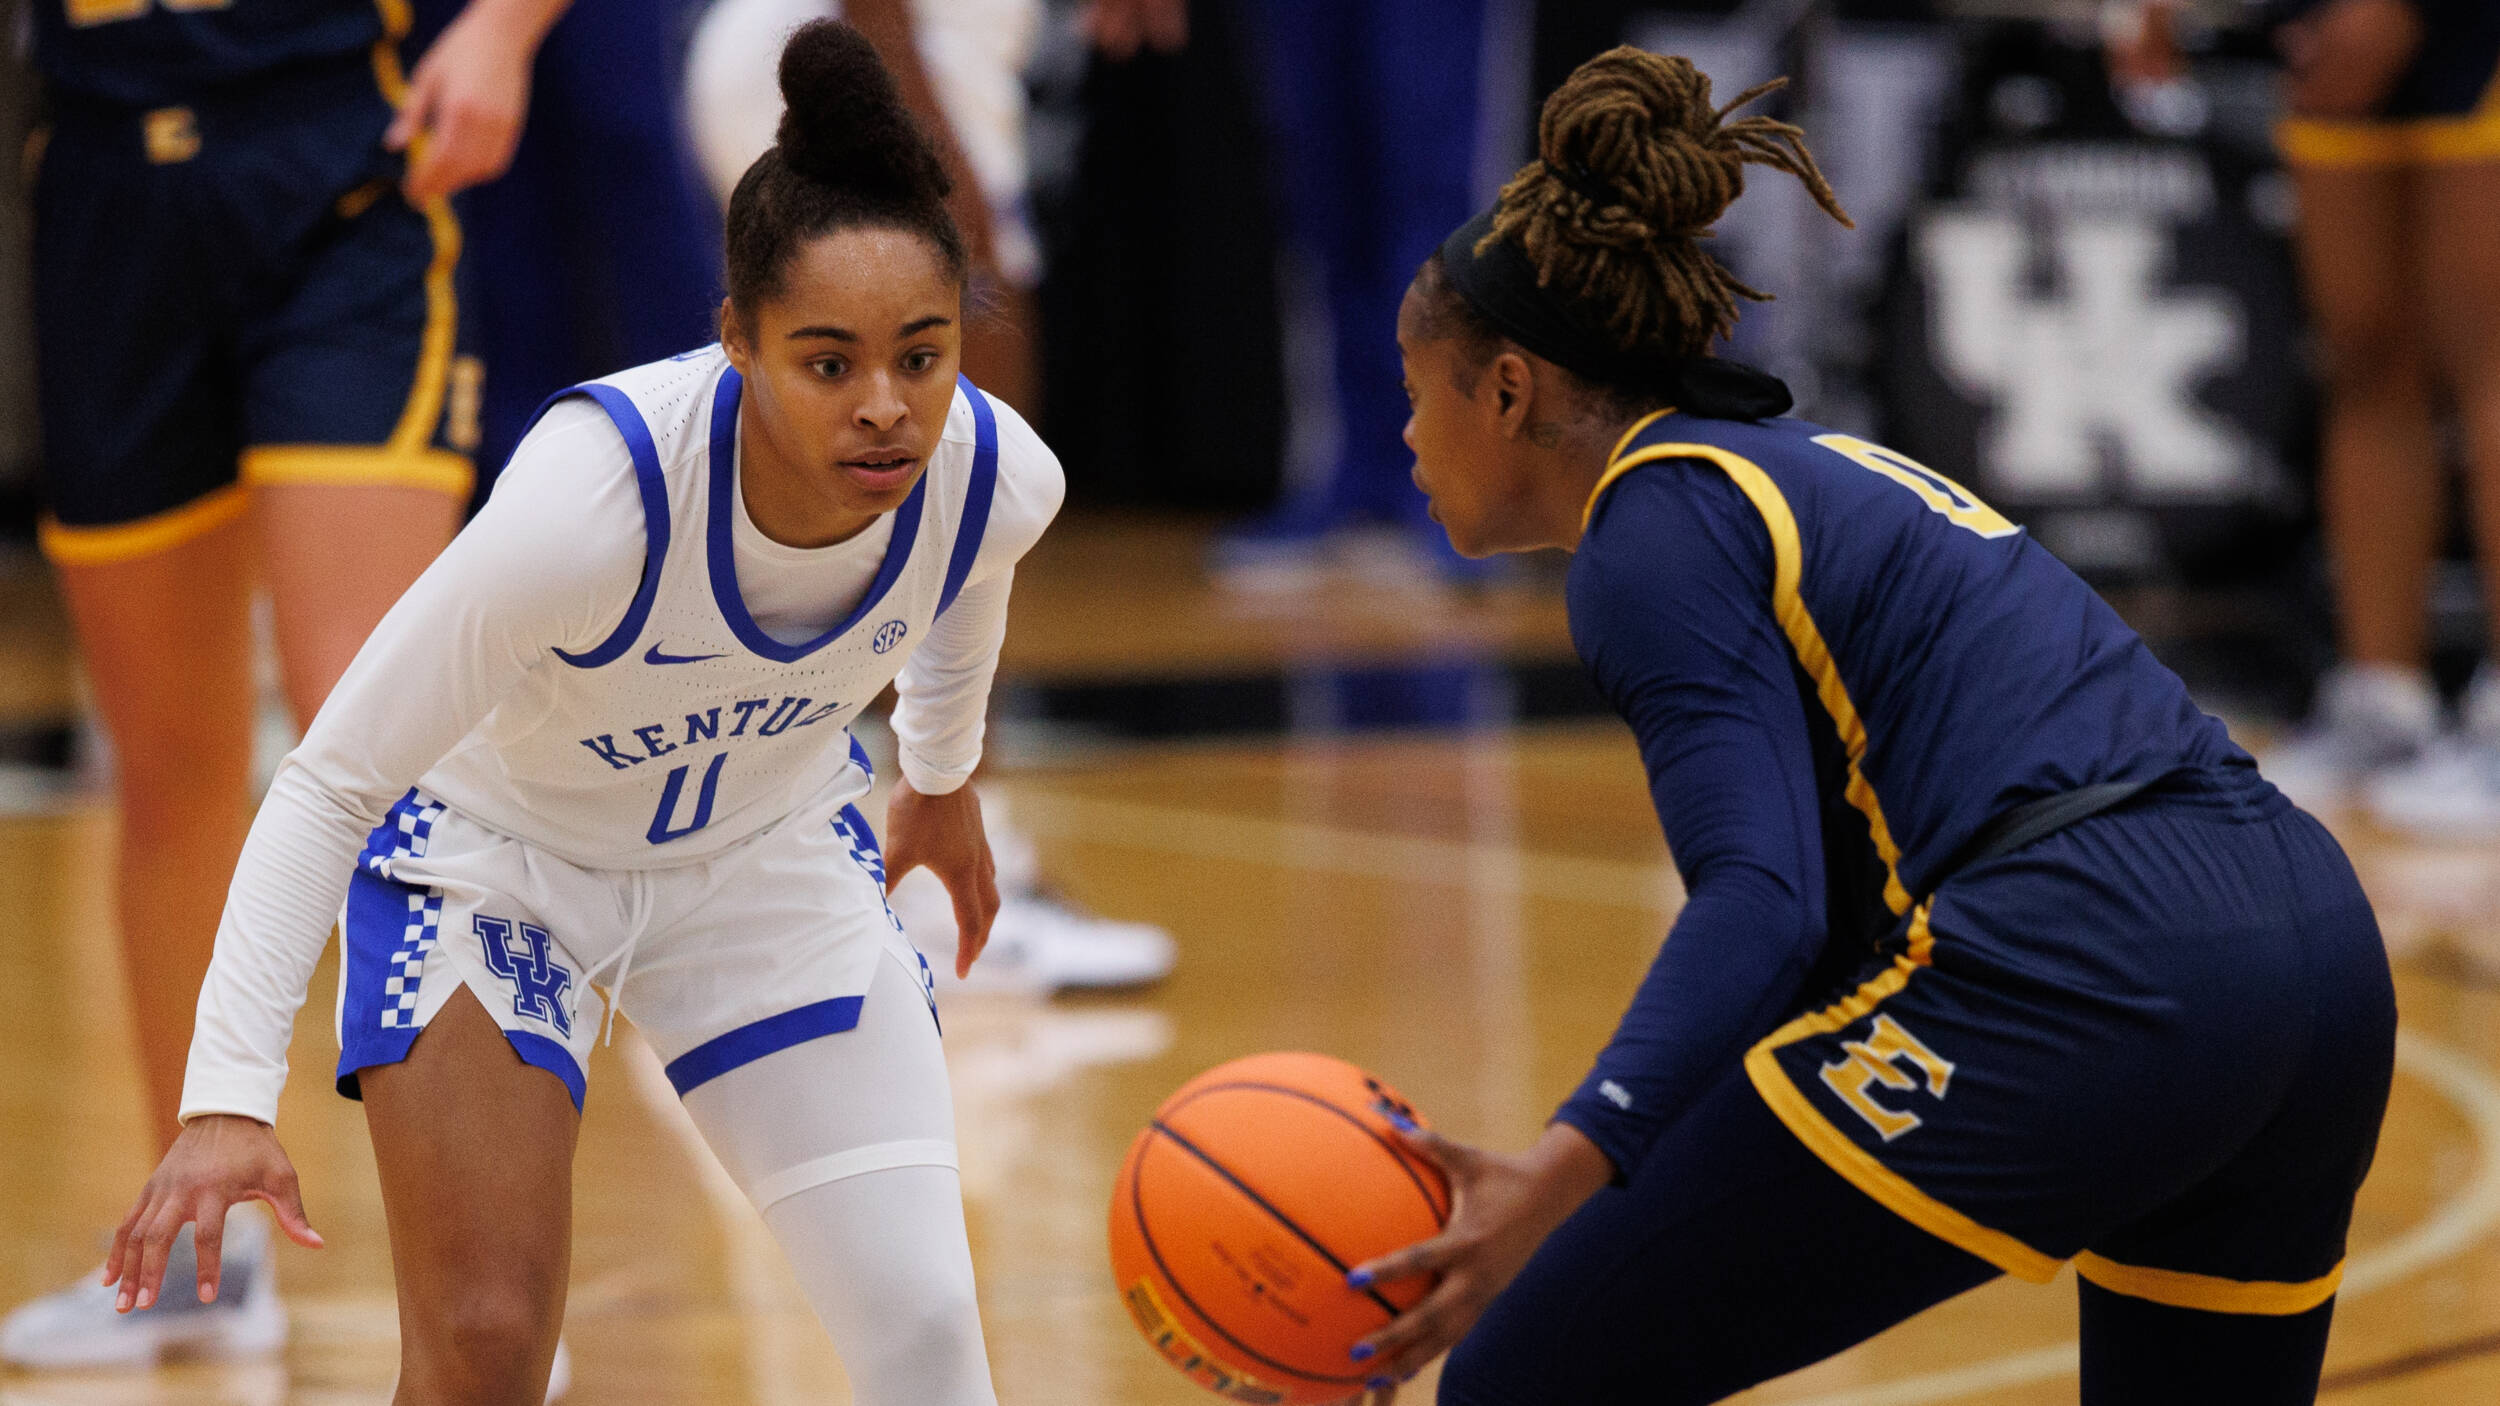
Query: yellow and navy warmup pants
[
  {"x": 234, "y": 292},
  {"x": 2157, "y": 1044}
]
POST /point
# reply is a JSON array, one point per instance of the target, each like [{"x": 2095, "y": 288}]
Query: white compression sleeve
[{"x": 847, "y": 1144}]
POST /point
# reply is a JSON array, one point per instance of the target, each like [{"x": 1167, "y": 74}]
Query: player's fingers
[
  {"x": 208, "y": 1241},
  {"x": 156, "y": 1244},
  {"x": 124, "y": 1243},
  {"x": 286, "y": 1199},
  {"x": 1423, "y": 1257},
  {"x": 1416, "y": 1336},
  {"x": 416, "y": 107}
]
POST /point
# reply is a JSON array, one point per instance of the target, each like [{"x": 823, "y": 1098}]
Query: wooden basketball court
[{"x": 1464, "y": 908}]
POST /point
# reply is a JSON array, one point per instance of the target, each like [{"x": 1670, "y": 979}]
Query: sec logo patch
[{"x": 888, "y": 635}]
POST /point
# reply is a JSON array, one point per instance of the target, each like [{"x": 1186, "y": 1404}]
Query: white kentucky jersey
[{"x": 689, "y": 728}]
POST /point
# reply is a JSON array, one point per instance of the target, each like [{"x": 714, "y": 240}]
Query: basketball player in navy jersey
[
  {"x": 603, "y": 742},
  {"x": 245, "y": 333},
  {"x": 1998, "y": 954}
]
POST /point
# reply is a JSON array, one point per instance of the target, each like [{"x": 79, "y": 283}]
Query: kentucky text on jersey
[{"x": 779, "y": 716}]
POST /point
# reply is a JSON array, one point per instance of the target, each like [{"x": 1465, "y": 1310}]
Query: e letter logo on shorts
[
  {"x": 1877, "y": 1059},
  {"x": 519, "y": 953}
]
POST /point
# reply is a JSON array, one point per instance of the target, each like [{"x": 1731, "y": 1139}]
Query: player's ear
[
  {"x": 1513, "y": 387},
  {"x": 733, "y": 336}
]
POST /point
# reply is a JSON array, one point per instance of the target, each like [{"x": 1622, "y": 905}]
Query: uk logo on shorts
[
  {"x": 521, "y": 954},
  {"x": 888, "y": 635}
]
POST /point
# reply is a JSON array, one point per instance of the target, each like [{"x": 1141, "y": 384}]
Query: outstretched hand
[
  {"x": 460, "y": 120},
  {"x": 217, "y": 1162},
  {"x": 944, "y": 834},
  {"x": 1502, "y": 1206}
]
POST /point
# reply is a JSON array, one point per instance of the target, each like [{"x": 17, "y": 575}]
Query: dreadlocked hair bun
[
  {"x": 1636, "y": 167},
  {"x": 848, "y": 154}
]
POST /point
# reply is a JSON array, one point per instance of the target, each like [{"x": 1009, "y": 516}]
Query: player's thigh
[
  {"x": 2357, "y": 250},
  {"x": 2140, "y": 1353},
  {"x": 166, "y": 639},
  {"x": 840, "y": 1105},
  {"x": 1733, "y": 1256},
  {"x": 2459, "y": 213},
  {"x": 475, "y": 1151},
  {"x": 337, "y": 556}
]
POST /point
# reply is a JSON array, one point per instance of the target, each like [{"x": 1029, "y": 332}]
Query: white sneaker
[
  {"x": 77, "y": 1327},
  {"x": 2369, "y": 718},
  {"x": 1037, "y": 944},
  {"x": 2452, "y": 790}
]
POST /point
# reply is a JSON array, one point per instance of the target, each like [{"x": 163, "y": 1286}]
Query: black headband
[{"x": 1501, "y": 286}]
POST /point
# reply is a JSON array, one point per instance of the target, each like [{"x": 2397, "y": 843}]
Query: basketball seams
[
  {"x": 1157, "y": 1125},
  {"x": 1146, "y": 1235},
  {"x": 1440, "y": 1212}
]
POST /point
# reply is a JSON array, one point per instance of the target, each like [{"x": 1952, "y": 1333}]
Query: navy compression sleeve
[{"x": 1670, "y": 602}]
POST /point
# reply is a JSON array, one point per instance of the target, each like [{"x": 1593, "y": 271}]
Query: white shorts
[{"x": 721, "y": 962}]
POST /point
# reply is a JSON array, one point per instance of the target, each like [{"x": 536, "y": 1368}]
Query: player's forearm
[
  {"x": 942, "y": 697},
  {"x": 288, "y": 888},
  {"x": 523, "y": 22}
]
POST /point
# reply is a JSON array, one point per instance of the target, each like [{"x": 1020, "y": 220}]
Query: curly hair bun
[
  {"x": 1635, "y": 167},
  {"x": 845, "y": 124}
]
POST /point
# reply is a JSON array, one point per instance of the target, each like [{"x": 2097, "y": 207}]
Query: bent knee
[{"x": 488, "y": 1344}]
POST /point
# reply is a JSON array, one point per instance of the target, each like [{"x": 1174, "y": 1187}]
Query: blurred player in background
[
  {"x": 1374, "y": 106},
  {"x": 246, "y": 329},
  {"x": 2394, "y": 145},
  {"x": 959, "y": 65},
  {"x": 719, "y": 559},
  {"x": 1997, "y": 952},
  {"x": 600, "y": 247}
]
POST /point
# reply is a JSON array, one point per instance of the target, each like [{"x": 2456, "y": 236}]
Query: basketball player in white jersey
[{"x": 604, "y": 740}]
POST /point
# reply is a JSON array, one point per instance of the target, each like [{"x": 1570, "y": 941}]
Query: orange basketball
[{"x": 1240, "y": 1209}]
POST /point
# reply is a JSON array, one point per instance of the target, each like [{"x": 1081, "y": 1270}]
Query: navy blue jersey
[
  {"x": 1839, "y": 666},
  {"x": 158, "y": 53}
]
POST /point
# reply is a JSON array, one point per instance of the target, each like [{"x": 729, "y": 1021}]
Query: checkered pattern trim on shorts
[
  {"x": 408, "y": 829},
  {"x": 862, "y": 842}
]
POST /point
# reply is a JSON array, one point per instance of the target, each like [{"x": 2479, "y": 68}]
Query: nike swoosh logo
[{"x": 654, "y": 656}]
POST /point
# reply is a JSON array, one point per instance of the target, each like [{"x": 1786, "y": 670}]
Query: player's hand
[
  {"x": 217, "y": 1162},
  {"x": 944, "y": 833},
  {"x": 1120, "y": 28},
  {"x": 1502, "y": 1206},
  {"x": 2347, "y": 56},
  {"x": 462, "y": 116}
]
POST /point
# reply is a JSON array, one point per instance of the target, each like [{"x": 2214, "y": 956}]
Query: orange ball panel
[
  {"x": 1172, "y": 1323},
  {"x": 1279, "y": 1308},
  {"x": 1234, "y": 1219},
  {"x": 1347, "y": 1086},
  {"x": 1339, "y": 1182}
]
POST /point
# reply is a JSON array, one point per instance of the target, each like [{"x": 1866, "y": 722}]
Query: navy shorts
[
  {"x": 235, "y": 292},
  {"x": 2445, "y": 107},
  {"x": 2158, "y": 1043}
]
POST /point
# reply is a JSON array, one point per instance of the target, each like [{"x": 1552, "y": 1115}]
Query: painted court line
[{"x": 1366, "y": 854}]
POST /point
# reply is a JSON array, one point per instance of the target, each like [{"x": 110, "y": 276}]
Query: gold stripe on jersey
[
  {"x": 2410, "y": 141},
  {"x": 440, "y": 470},
  {"x": 1788, "y": 604},
  {"x": 2208, "y": 1292},
  {"x": 424, "y": 410},
  {"x": 1860, "y": 1167},
  {"x": 159, "y": 532}
]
